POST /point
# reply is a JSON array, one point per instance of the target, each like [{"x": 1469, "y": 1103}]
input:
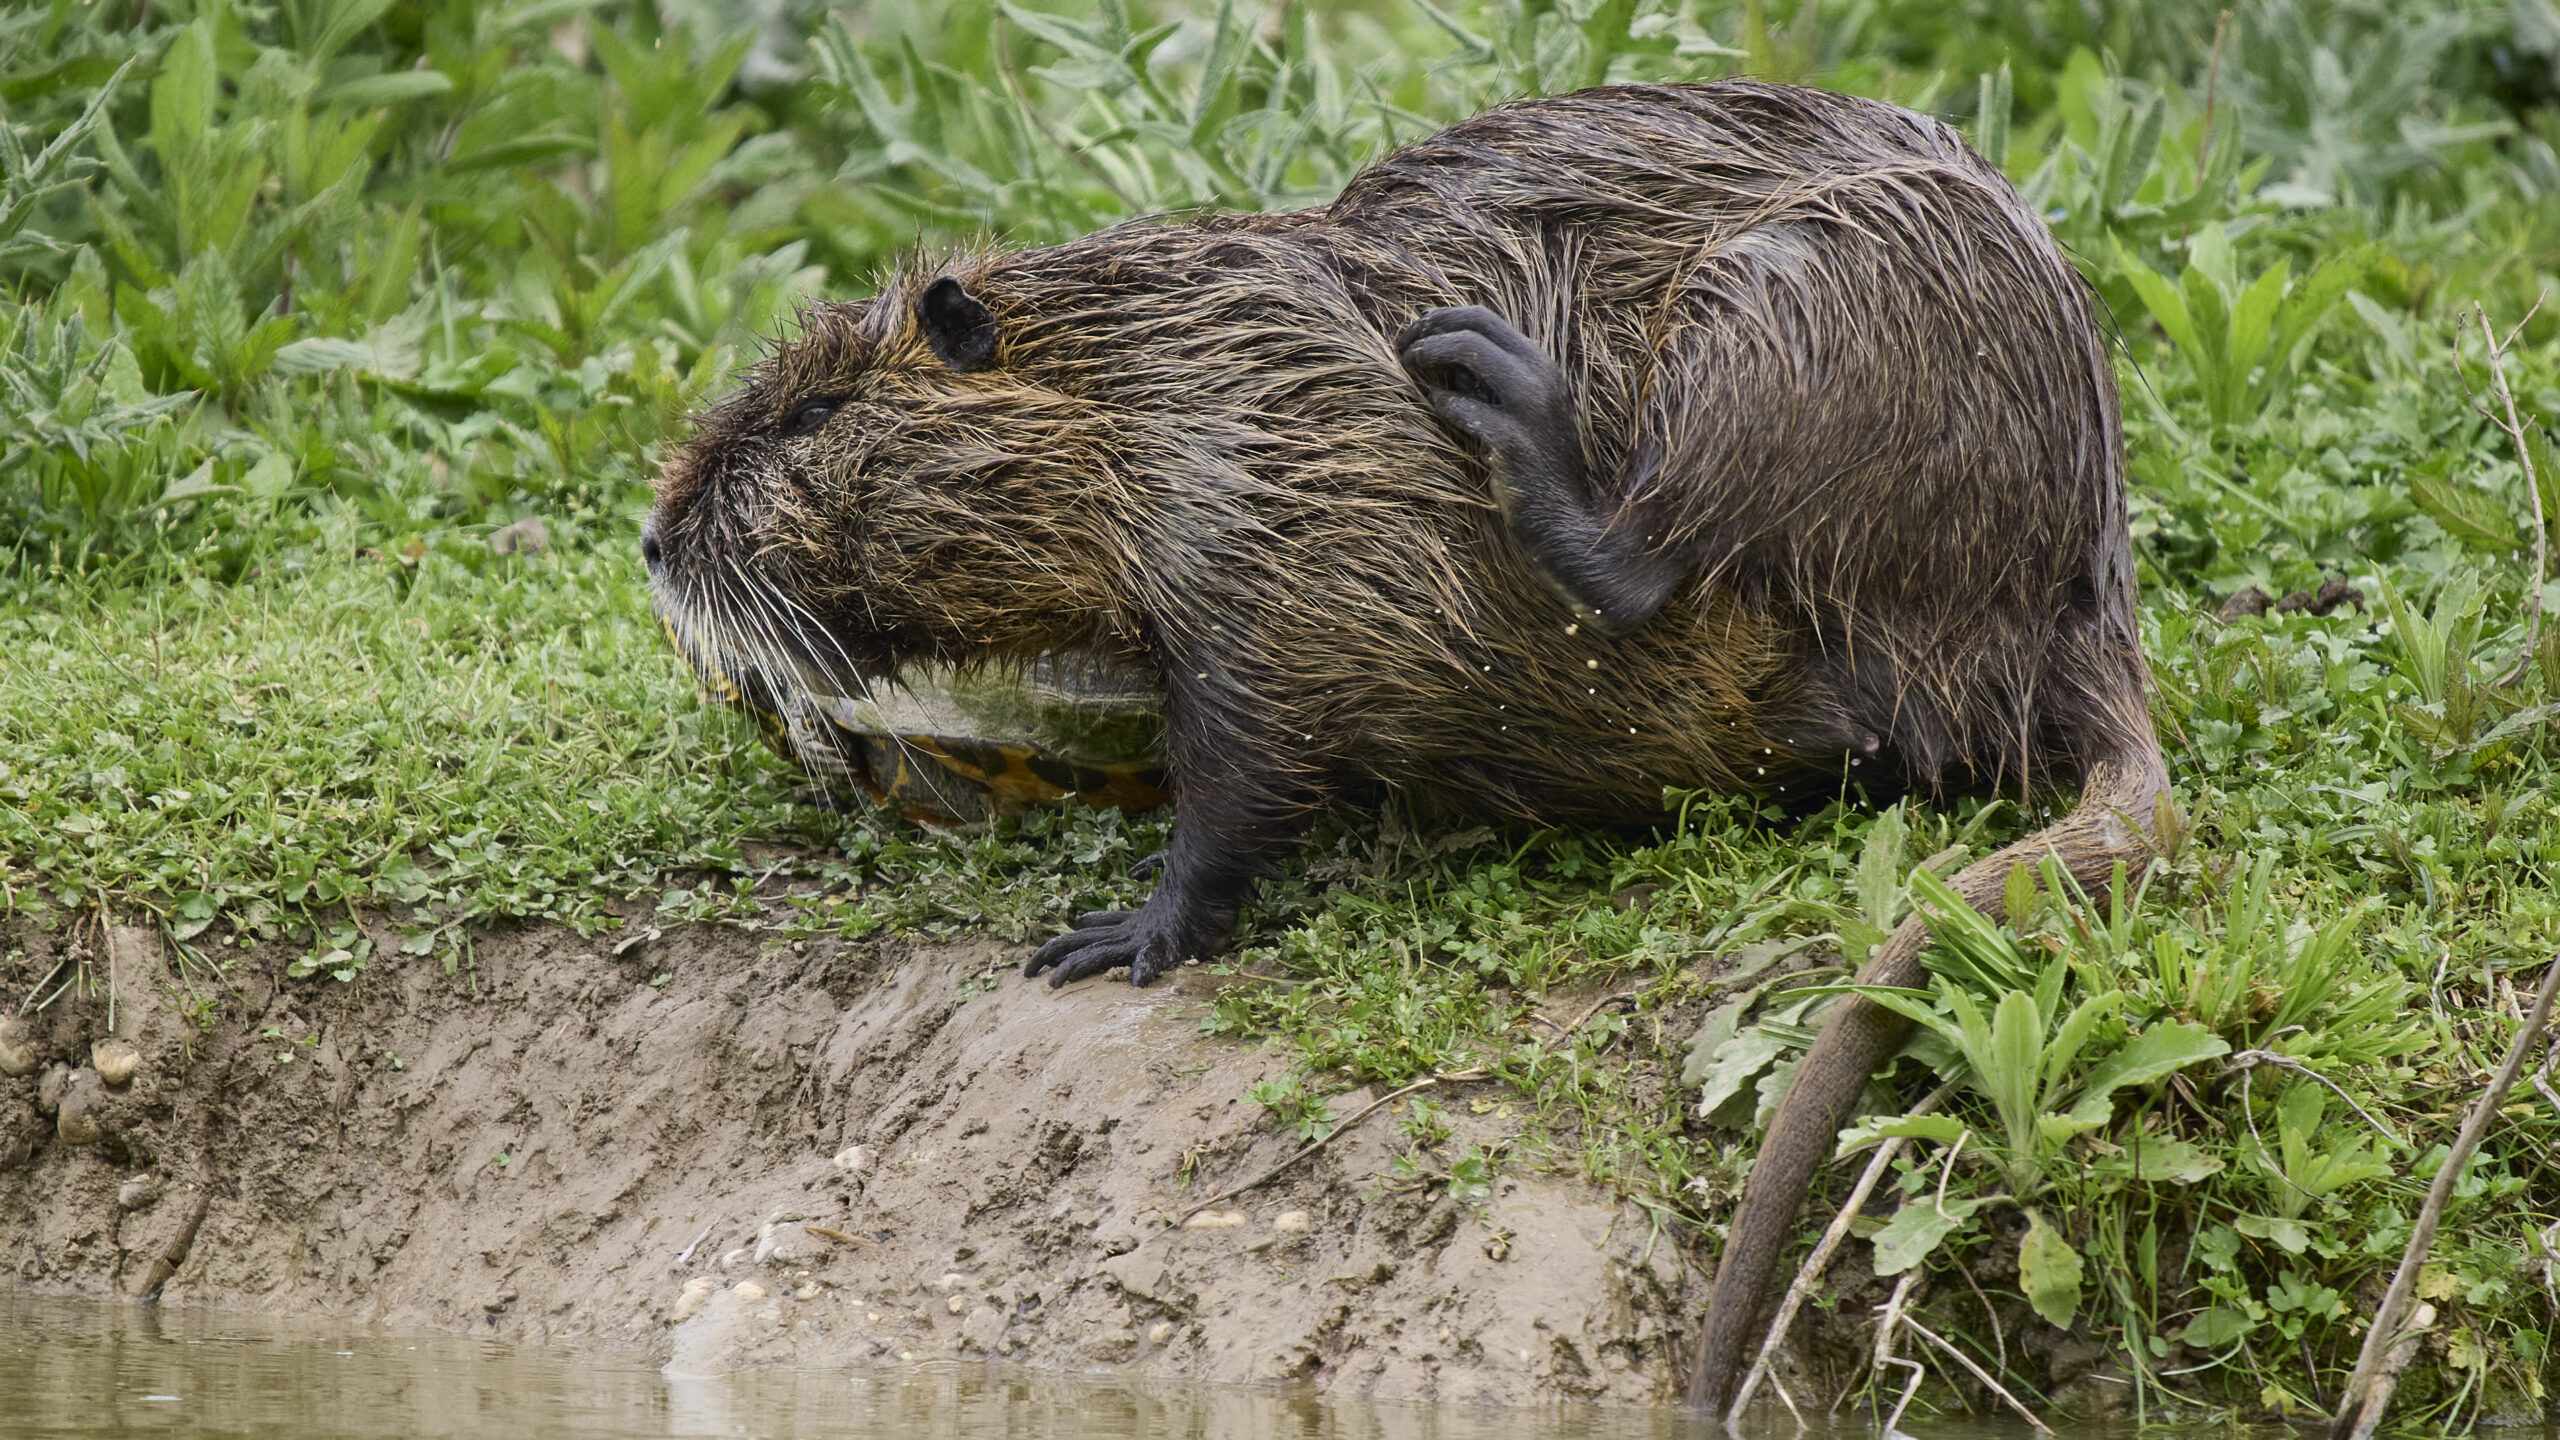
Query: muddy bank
[{"x": 733, "y": 1153}]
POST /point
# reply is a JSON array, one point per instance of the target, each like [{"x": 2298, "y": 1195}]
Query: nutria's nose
[{"x": 649, "y": 553}]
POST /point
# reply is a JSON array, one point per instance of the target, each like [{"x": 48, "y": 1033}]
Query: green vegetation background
[{"x": 313, "y": 308}]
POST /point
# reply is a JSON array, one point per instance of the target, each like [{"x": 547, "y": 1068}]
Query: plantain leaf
[
  {"x": 2049, "y": 1269},
  {"x": 2467, "y": 515},
  {"x": 2155, "y": 1052},
  {"x": 2216, "y": 1328},
  {"x": 1918, "y": 1228}
]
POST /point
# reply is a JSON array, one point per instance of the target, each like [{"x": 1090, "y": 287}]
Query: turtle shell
[{"x": 951, "y": 746}]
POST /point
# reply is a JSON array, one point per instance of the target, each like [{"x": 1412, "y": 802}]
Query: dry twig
[
  {"x": 1884, "y": 1352},
  {"x": 2360, "y": 1405},
  {"x": 2406, "y": 1349},
  {"x": 2514, "y": 429},
  {"x": 1312, "y": 1146},
  {"x": 1961, "y": 1358}
]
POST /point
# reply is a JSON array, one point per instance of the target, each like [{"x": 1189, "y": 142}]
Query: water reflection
[{"x": 71, "y": 1369}]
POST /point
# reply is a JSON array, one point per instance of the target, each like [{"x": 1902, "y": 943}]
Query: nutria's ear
[{"x": 956, "y": 325}]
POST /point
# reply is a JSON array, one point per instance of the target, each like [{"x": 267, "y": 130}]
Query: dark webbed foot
[{"x": 1105, "y": 940}]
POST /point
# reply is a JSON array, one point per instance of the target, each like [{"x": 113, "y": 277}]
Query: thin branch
[
  {"x": 2248, "y": 1059},
  {"x": 1814, "y": 1264},
  {"x": 1925, "y": 1333},
  {"x": 2360, "y": 1405},
  {"x": 2514, "y": 429},
  {"x": 2212, "y": 77},
  {"x": 2370, "y": 1415},
  {"x": 1312, "y": 1146},
  {"x": 1884, "y": 1351}
]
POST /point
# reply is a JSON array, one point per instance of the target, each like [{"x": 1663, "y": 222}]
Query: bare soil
[{"x": 733, "y": 1152}]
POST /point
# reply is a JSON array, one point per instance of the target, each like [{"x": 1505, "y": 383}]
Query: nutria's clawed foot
[
  {"x": 1107, "y": 939},
  {"x": 1491, "y": 383},
  {"x": 1513, "y": 403}
]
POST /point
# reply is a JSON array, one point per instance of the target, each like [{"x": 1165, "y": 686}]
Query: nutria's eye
[{"x": 807, "y": 419}]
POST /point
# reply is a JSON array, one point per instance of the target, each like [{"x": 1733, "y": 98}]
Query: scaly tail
[{"x": 2118, "y": 805}]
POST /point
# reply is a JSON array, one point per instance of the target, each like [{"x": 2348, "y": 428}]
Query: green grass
[{"x": 305, "y": 305}]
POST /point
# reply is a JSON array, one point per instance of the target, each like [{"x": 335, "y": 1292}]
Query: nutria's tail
[{"x": 2114, "y": 821}]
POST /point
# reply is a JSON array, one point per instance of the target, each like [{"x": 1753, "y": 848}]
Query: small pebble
[
  {"x": 1214, "y": 1220},
  {"x": 957, "y": 1304},
  {"x": 83, "y": 1096},
  {"x": 17, "y": 1047},
  {"x": 736, "y": 1258},
  {"x": 137, "y": 1192},
  {"x": 114, "y": 1060},
  {"x": 855, "y": 1159},
  {"x": 952, "y": 1281},
  {"x": 1159, "y": 1332},
  {"x": 749, "y": 1292},
  {"x": 696, "y": 1290},
  {"x": 1293, "y": 1222},
  {"x": 806, "y": 1292},
  {"x": 775, "y": 1237}
]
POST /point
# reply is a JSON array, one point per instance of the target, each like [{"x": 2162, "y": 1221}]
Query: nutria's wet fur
[{"x": 1853, "y": 400}]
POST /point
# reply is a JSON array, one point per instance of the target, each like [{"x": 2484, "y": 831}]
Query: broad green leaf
[
  {"x": 398, "y": 87},
  {"x": 2252, "y": 316},
  {"x": 1737, "y": 1062},
  {"x": 1772, "y": 1090},
  {"x": 1918, "y": 1228},
  {"x": 2210, "y": 256},
  {"x": 1945, "y": 1129},
  {"x": 2158, "y": 1051},
  {"x": 2012, "y": 1071},
  {"x": 182, "y": 98},
  {"x": 2155, "y": 1159},
  {"x": 2209, "y": 306},
  {"x": 1880, "y": 867},
  {"x": 196, "y": 483},
  {"x": 2138, "y": 153},
  {"x": 2546, "y": 474},
  {"x": 2216, "y": 1328},
  {"x": 1721, "y": 1025},
  {"x": 2168, "y": 308},
  {"x": 270, "y": 477},
  {"x": 2067, "y": 1042},
  {"x": 2311, "y": 298},
  {"x": 2049, "y": 1271},
  {"x": 2055, "y": 1128},
  {"x": 2292, "y": 1235},
  {"x": 2469, "y": 516},
  {"x": 1912, "y": 1005}
]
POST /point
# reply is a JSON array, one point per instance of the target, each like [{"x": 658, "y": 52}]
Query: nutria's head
[{"x": 886, "y": 487}]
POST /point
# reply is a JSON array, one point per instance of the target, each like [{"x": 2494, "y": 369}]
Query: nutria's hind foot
[
  {"x": 1492, "y": 384},
  {"x": 1105, "y": 940},
  {"x": 1509, "y": 399}
]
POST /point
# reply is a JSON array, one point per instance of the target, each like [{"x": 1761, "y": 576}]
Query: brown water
[{"x": 82, "y": 1369}]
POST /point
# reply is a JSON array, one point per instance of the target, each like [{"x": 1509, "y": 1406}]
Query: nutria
[{"x": 1731, "y": 436}]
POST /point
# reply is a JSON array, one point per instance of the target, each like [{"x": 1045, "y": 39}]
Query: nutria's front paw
[
  {"x": 1107, "y": 939},
  {"x": 1489, "y": 381}
]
